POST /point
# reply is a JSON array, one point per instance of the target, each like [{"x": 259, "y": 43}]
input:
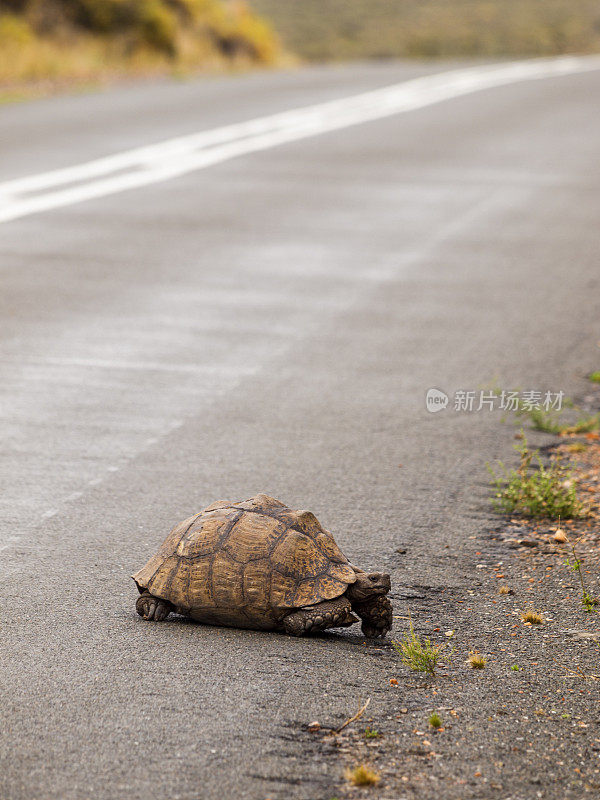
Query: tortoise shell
[{"x": 247, "y": 564}]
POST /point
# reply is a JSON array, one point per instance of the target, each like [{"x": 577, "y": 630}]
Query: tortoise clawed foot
[
  {"x": 377, "y": 617},
  {"x": 296, "y": 625},
  {"x": 152, "y": 608}
]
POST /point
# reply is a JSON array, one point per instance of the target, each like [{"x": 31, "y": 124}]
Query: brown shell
[{"x": 247, "y": 564}]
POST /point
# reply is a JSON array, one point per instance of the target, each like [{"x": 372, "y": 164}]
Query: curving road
[{"x": 262, "y": 310}]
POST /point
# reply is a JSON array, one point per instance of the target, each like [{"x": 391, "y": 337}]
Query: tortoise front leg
[
  {"x": 153, "y": 608},
  {"x": 376, "y": 615},
  {"x": 313, "y": 619}
]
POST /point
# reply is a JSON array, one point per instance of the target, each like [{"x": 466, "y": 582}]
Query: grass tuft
[
  {"x": 371, "y": 733},
  {"x": 420, "y": 656},
  {"x": 560, "y": 536},
  {"x": 544, "y": 421},
  {"x": 435, "y": 720},
  {"x": 477, "y": 661},
  {"x": 505, "y": 590},
  {"x": 533, "y": 617},
  {"x": 577, "y": 447},
  {"x": 595, "y": 377},
  {"x": 585, "y": 424},
  {"x": 534, "y": 489},
  {"x": 548, "y": 420},
  {"x": 362, "y": 775}
]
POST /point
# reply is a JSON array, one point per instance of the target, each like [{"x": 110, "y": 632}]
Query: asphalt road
[{"x": 271, "y": 323}]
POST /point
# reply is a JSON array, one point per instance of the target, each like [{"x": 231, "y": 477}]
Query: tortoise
[{"x": 259, "y": 564}]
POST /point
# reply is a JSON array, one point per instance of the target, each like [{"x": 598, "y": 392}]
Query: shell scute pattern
[
  {"x": 161, "y": 583},
  {"x": 247, "y": 564},
  {"x": 283, "y": 589},
  {"x": 200, "y": 587},
  {"x": 206, "y": 534},
  {"x": 306, "y": 522},
  {"x": 253, "y": 537},
  {"x": 314, "y": 590},
  {"x": 262, "y": 503},
  {"x": 296, "y": 555},
  {"x": 256, "y": 586},
  {"x": 227, "y": 581}
]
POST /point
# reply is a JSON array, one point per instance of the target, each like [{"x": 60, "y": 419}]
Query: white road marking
[{"x": 143, "y": 166}]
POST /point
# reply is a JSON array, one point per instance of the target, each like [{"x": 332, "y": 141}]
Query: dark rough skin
[{"x": 376, "y": 616}]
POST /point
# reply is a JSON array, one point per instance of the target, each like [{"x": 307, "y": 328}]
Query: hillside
[
  {"x": 346, "y": 29},
  {"x": 79, "y": 40}
]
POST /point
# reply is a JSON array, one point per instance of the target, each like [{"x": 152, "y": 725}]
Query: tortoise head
[{"x": 367, "y": 585}]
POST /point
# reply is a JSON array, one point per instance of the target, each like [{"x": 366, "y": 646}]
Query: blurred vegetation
[
  {"x": 66, "y": 40},
  {"x": 346, "y": 29}
]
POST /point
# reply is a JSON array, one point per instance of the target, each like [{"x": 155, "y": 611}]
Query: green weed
[
  {"x": 585, "y": 424},
  {"x": 544, "y": 421},
  {"x": 534, "y": 489},
  {"x": 588, "y": 602},
  {"x": 435, "y": 720},
  {"x": 420, "y": 656},
  {"x": 371, "y": 733},
  {"x": 548, "y": 421}
]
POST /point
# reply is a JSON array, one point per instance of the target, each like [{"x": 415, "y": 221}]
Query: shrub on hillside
[{"x": 85, "y": 37}]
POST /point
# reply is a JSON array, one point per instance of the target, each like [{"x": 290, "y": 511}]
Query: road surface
[{"x": 271, "y": 323}]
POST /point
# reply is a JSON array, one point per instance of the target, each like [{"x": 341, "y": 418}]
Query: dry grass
[
  {"x": 362, "y": 775},
  {"x": 476, "y": 661},
  {"x": 505, "y": 590},
  {"x": 102, "y": 41},
  {"x": 533, "y": 617}
]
